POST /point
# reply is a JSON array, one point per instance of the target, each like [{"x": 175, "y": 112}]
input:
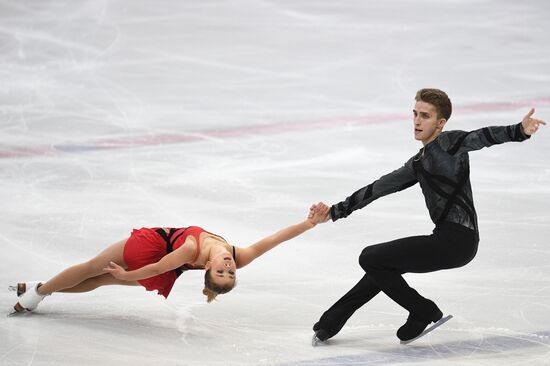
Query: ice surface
[{"x": 236, "y": 116}]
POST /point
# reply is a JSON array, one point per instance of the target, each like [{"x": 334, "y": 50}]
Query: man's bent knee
[{"x": 367, "y": 259}]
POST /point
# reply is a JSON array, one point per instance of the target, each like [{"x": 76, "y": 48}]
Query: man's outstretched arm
[
  {"x": 458, "y": 142},
  {"x": 395, "y": 181}
]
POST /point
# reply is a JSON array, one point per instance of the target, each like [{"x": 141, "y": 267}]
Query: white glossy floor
[{"x": 236, "y": 116}]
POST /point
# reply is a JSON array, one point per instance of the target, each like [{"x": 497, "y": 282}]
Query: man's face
[{"x": 426, "y": 124}]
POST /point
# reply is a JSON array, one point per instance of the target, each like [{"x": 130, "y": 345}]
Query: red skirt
[{"x": 143, "y": 247}]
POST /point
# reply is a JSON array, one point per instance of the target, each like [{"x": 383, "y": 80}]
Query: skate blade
[
  {"x": 17, "y": 309},
  {"x": 316, "y": 341},
  {"x": 21, "y": 288},
  {"x": 437, "y": 324}
]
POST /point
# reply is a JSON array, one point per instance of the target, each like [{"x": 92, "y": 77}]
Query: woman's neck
[{"x": 211, "y": 248}]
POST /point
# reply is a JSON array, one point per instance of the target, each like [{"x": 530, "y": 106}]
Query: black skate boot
[
  {"x": 415, "y": 326},
  {"x": 320, "y": 335},
  {"x": 323, "y": 333}
]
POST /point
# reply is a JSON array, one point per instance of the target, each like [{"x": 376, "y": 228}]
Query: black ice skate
[
  {"x": 416, "y": 328},
  {"x": 320, "y": 335}
]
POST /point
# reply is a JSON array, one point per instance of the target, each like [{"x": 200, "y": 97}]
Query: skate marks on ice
[
  {"x": 448, "y": 351},
  {"x": 243, "y": 131}
]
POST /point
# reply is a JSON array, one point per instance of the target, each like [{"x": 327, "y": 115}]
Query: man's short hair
[{"x": 439, "y": 99}]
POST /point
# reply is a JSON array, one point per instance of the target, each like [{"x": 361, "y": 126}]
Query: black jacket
[{"x": 443, "y": 169}]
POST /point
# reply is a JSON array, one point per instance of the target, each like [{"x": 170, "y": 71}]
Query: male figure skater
[{"x": 442, "y": 169}]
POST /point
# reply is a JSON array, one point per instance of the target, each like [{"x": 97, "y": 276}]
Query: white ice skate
[
  {"x": 29, "y": 300},
  {"x": 22, "y": 287}
]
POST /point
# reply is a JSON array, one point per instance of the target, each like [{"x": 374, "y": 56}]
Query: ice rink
[{"x": 238, "y": 115}]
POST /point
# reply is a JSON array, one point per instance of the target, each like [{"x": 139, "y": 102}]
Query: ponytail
[{"x": 210, "y": 295}]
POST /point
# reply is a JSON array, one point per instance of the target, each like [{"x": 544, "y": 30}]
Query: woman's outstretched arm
[{"x": 248, "y": 254}]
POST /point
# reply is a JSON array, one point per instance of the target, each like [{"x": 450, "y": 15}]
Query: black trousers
[{"x": 450, "y": 246}]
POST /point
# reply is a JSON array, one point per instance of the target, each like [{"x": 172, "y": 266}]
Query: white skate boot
[
  {"x": 22, "y": 287},
  {"x": 29, "y": 300}
]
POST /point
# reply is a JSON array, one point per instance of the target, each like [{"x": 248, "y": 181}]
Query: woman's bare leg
[
  {"x": 98, "y": 281},
  {"x": 74, "y": 275}
]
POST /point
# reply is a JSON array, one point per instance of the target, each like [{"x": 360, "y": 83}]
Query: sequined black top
[{"x": 442, "y": 168}]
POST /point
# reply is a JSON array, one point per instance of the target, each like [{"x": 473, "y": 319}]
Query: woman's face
[{"x": 223, "y": 269}]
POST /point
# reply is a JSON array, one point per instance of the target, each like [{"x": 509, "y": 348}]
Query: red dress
[{"x": 149, "y": 245}]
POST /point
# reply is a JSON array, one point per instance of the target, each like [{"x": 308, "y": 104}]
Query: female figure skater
[
  {"x": 442, "y": 169},
  {"x": 155, "y": 257}
]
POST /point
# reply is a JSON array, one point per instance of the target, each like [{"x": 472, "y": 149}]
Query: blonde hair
[
  {"x": 210, "y": 295},
  {"x": 211, "y": 289}
]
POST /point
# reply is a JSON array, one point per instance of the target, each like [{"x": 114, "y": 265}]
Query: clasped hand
[{"x": 319, "y": 213}]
